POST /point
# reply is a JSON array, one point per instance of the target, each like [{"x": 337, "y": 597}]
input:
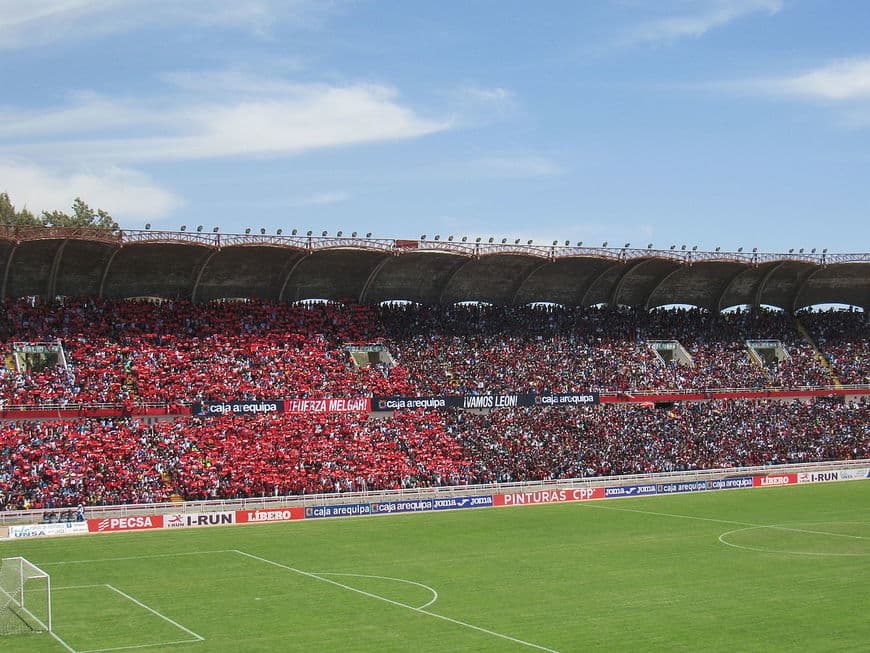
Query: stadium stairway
[{"x": 820, "y": 358}]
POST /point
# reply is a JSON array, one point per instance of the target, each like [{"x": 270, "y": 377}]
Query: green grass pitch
[{"x": 743, "y": 570}]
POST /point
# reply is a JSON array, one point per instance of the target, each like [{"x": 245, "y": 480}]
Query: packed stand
[
  {"x": 53, "y": 465},
  {"x": 177, "y": 352}
]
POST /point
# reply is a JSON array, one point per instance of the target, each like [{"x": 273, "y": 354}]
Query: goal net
[{"x": 25, "y": 597}]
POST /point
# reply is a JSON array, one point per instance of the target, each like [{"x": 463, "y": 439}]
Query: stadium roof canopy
[{"x": 200, "y": 267}]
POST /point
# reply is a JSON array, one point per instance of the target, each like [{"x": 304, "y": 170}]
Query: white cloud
[
  {"x": 126, "y": 194},
  {"x": 709, "y": 15},
  {"x": 847, "y": 79},
  {"x": 243, "y": 117},
  {"x": 34, "y": 23}
]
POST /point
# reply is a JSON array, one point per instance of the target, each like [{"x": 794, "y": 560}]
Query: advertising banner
[
  {"x": 854, "y": 474},
  {"x": 48, "y": 530},
  {"x": 456, "y": 503},
  {"x": 730, "y": 483},
  {"x": 399, "y": 403},
  {"x": 818, "y": 477},
  {"x": 688, "y": 486},
  {"x": 576, "y": 399},
  {"x": 199, "y": 519},
  {"x": 485, "y": 401},
  {"x": 239, "y": 408},
  {"x": 328, "y": 405},
  {"x": 411, "y": 505},
  {"x": 269, "y": 515},
  {"x": 629, "y": 491},
  {"x": 774, "y": 479},
  {"x": 343, "y": 510},
  {"x": 548, "y": 496},
  {"x": 138, "y": 523}
]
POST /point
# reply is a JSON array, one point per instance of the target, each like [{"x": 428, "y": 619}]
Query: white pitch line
[
  {"x": 728, "y": 521},
  {"x": 397, "y": 603},
  {"x": 155, "y": 612},
  {"x": 723, "y": 540},
  {"x": 399, "y": 580},
  {"x": 62, "y": 643},
  {"x": 134, "y": 646},
  {"x": 143, "y": 557}
]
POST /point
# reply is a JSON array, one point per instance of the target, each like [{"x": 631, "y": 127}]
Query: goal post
[{"x": 25, "y": 597}]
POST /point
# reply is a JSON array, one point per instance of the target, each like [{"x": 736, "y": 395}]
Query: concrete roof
[{"x": 202, "y": 267}]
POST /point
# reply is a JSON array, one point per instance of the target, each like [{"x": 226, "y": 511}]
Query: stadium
[{"x": 187, "y": 384}]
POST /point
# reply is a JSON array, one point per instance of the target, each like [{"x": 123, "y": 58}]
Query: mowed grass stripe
[{"x": 570, "y": 577}]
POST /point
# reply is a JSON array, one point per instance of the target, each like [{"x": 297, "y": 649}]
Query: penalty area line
[{"x": 397, "y": 603}]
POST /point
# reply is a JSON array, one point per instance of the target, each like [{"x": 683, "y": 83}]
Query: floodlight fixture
[
  {"x": 437, "y": 236},
  {"x": 683, "y": 247},
  {"x": 626, "y": 246},
  {"x": 567, "y": 242},
  {"x": 673, "y": 247},
  {"x": 262, "y": 231},
  {"x": 478, "y": 239},
  {"x": 604, "y": 244},
  {"x": 517, "y": 241},
  {"x": 450, "y": 238},
  {"x": 353, "y": 234},
  {"x": 649, "y": 246},
  {"x": 754, "y": 250},
  {"x": 309, "y": 233},
  {"x": 694, "y": 248},
  {"x": 465, "y": 239},
  {"x": 294, "y": 232},
  {"x": 718, "y": 248},
  {"x": 279, "y": 232},
  {"x": 813, "y": 250},
  {"x": 503, "y": 241},
  {"x": 199, "y": 228},
  {"x": 368, "y": 234},
  {"x": 214, "y": 230},
  {"x": 147, "y": 226},
  {"x": 339, "y": 233},
  {"x": 423, "y": 237},
  {"x": 529, "y": 242},
  {"x": 248, "y": 230},
  {"x": 184, "y": 227},
  {"x": 324, "y": 234},
  {"x": 491, "y": 239},
  {"x": 740, "y": 249}
]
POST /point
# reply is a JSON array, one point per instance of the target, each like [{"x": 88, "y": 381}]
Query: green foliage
[
  {"x": 82, "y": 216},
  {"x": 10, "y": 216},
  {"x": 639, "y": 574}
]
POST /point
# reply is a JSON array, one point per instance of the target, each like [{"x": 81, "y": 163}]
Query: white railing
[{"x": 262, "y": 503}]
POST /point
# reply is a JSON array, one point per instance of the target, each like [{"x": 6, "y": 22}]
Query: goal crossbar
[{"x": 18, "y": 601}]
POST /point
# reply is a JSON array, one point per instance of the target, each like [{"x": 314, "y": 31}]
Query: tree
[
  {"x": 12, "y": 217},
  {"x": 82, "y": 216}
]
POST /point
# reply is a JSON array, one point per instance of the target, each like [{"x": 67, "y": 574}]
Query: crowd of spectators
[
  {"x": 176, "y": 352},
  {"x": 57, "y": 464}
]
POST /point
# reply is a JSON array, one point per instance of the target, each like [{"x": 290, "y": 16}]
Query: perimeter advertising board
[
  {"x": 548, "y": 496},
  {"x": 114, "y": 524},
  {"x": 772, "y": 480},
  {"x": 269, "y": 515},
  {"x": 47, "y": 530}
]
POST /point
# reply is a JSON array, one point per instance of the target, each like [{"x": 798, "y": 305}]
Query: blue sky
[{"x": 701, "y": 122}]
